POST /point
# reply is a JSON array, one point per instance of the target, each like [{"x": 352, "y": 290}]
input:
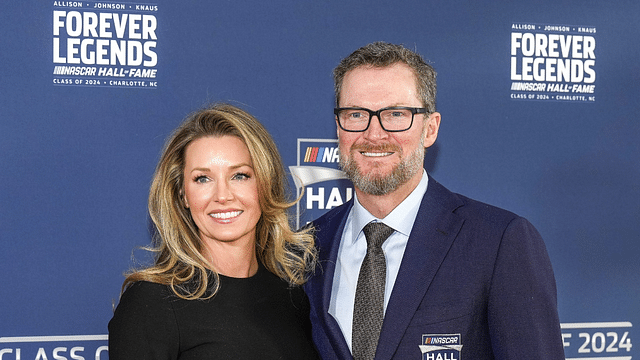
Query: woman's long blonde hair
[{"x": 179, "y": 251}]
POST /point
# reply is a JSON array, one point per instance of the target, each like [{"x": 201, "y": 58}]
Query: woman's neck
[{"x": 233, "y": 261}]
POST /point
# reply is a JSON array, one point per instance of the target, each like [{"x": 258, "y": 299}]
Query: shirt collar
[{"x": 400, "y": 219}]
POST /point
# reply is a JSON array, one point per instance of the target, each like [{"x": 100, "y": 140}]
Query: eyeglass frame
[{"x": 414, "y": 111}]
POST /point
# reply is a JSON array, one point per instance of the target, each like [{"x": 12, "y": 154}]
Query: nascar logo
[
  {"x": 317, "y": 172},
  {"x": 441, "y": 347},
  {"x": 322, "y": 154}
]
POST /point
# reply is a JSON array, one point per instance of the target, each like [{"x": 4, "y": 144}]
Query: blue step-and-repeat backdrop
[{"x": 540, "y": 105}]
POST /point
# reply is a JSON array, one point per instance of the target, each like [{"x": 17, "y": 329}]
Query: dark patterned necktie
[{"x": 368, "y": 310}]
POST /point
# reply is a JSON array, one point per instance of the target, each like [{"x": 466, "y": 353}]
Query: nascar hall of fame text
[
  {"x": 318, "y": 178},
  {"x": 105, "y": 44},
  {"x": 553, "y": 63}
]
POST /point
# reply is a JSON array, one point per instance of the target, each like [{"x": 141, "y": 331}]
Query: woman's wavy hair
[{"x": 179, "y": 261}]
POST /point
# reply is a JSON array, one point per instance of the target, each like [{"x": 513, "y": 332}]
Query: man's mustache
[{"x": 375, "y": 148}]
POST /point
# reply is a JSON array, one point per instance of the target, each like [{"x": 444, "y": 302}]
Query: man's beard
[{"x": 381, "y": 184}]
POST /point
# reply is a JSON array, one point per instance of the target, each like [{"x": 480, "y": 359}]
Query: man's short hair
[{"x": 383, "y": 54}]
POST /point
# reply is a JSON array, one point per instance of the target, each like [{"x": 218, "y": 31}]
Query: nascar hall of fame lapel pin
[{"x": 441, "y": 347}]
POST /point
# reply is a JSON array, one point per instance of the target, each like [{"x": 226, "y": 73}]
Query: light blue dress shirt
[{"x": 353, "y": 248}]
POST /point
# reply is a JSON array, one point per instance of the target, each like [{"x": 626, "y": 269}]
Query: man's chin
[
  {"x": 376, "y": 170},
  {"x": 377, "y": 176}
]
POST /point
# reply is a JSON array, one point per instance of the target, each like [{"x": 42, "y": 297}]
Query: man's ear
[{"x": 431, "y": 129}]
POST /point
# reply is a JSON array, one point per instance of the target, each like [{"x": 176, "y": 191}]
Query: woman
[{"x": 225, "y": 283}]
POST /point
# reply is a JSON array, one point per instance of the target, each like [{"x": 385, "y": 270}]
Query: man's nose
[{"x": 375, "y": 130}]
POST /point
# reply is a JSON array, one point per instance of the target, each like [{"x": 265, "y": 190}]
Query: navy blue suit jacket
[{"x": 469, "y": 269}]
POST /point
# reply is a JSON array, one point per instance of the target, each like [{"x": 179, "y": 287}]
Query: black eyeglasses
[{"x": 392, "y": 119}]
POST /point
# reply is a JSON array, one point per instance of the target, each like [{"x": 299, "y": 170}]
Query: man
[{"x": 455, "y": 278}]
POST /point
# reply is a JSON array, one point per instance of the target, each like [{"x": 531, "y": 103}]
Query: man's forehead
[{"x": 392, "y": 85}]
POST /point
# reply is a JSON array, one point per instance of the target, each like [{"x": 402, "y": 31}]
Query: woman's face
[{"x": 221, "y": 191}]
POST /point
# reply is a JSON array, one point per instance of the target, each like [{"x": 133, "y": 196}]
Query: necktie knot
[{"x": 376, "y": 233}]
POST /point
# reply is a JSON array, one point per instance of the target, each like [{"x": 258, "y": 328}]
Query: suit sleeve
[
  {"x": 144, "y": 325},
  {"x": 523, "y": 316}
]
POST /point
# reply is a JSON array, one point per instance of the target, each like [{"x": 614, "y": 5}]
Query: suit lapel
[
  {"x": 434, "y": 230},
  {"x": 329, "y": 234}
]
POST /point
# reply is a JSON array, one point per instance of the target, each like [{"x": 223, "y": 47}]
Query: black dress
[{"x": 259, "y": 317}]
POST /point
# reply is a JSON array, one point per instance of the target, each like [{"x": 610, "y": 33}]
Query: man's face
[{"x": 379, "y": 162}]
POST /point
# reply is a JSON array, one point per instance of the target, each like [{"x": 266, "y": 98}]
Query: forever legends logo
[
  {"x": 317, "y": 173},
  {"x": 553, "y": 62},
  {"x": 101, "y": 44}
]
